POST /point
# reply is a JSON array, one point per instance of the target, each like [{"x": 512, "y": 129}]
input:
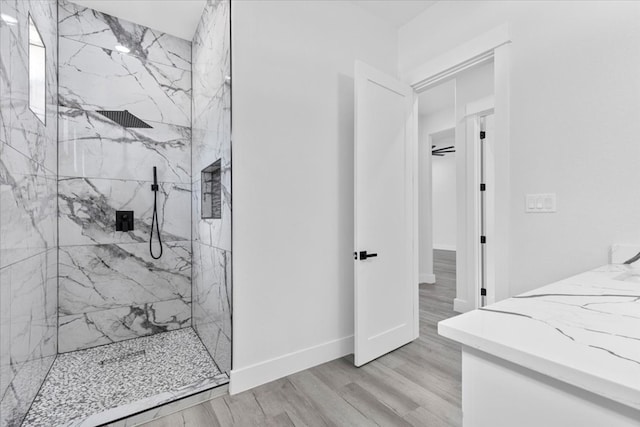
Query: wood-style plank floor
[{"x": 416, "y": 385}]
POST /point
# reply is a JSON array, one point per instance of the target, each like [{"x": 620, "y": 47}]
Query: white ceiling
[
  {"x": 438, "y": 98},
  {"x": 176, "y": 17},
  {"x": 395, "y": 12}
]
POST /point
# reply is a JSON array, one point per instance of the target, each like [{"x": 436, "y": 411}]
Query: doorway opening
[{"x": 456, "y": 214}]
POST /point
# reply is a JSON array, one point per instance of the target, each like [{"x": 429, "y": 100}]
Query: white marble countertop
[{"x": 584, "y": 330}]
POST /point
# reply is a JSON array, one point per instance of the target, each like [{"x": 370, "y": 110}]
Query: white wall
[
  {"x": 575, "y": 95},
  {"x": 428, "y": 124},
  {"x": 293, "y": 180},
  {"x": 443, "y": 172}
]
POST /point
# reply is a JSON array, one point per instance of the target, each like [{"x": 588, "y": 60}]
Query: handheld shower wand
[{"x": 154, "y": 217}]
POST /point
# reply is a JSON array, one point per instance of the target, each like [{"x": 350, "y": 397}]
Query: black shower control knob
[{"x": 124, "y": 221}]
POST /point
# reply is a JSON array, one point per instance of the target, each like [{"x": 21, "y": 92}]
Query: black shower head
[{"x": 124, "y": 118}]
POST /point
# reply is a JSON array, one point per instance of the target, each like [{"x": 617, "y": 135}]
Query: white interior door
[{"x": 386, "y": 268}]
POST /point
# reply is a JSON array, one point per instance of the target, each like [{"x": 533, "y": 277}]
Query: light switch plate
[{"x": 540, "y": 203}]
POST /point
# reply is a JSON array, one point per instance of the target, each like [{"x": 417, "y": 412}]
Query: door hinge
[
  {"x": 483, "y": 187},
  {"x": 483, "y": 134},
  {"x": 483, "y": 292},
  {"x": 483, "y": 239}
]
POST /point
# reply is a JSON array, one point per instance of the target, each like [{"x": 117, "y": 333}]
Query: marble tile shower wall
[
  {"x": 28, "y": 233},
  {"x": 109, "y": 286},
  {"x": 212, "y": 141}
]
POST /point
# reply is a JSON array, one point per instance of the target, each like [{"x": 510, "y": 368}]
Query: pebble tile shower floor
[{"x": 90, "y": 382}]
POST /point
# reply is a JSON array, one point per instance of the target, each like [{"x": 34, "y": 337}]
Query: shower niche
[{"x": 212, "y": 191}]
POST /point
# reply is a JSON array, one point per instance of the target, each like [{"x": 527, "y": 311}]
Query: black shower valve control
[
  {"x": 124, "y": 221},
  {"x": 154, "y": 187}
]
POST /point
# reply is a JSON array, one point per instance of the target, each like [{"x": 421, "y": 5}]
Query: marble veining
[
  {"x": 103, "y": 277},
  {"x": 106, "y": 296},
  {"x": 81, "y": 391},
  {"x": 99, "y": 29},
  {"x": 584, "y": 330},
  {"x": 5, "y": 77},
  {"x": 211, "y": 130},
  {"x": 20, "y": 128},
  {"x": 28, "y": 232},
  {"x": 114, "y": 292},
  {"x": 24, "y": 387},
  {"x": 212, "y": 301},
  {"x": 28, "y": 199},
  {"x": 110, "y": 288},
  {"x": 92, "y": 146},
  {"x": 87, "y": 209},
  {"x": 85, "y": 330},
  {"x": 94, "y": 78},
  {"x": 28, "y": 304},
  {"x": 211, "y": 141}
]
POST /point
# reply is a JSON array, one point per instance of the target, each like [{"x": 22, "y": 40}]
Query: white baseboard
[
  {"x": 427, "y": 278},
  {"x": 444, "y": 247},
  {"x": 260, "y": 373},
  {"x": 461, "y": 306}
]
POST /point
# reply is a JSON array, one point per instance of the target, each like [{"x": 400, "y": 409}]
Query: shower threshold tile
[{"x": 102, "y": 384}]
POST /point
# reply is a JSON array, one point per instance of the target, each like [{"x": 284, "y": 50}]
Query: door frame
[
  {"x": 494, "y": 45},
  {"x": 473, "y": 161}
]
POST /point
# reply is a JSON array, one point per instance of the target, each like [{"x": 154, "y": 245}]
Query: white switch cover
[{"x": 540, "y": 203}]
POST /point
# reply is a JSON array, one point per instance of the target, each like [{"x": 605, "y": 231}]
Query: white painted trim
[
  {"x": 466, "y": 55},
  {"x": 263, "y": 372},
  {"x": 481, "y": 107},
  {"x": 461, "y": 306},
  {"x": 444, "y": 247},
  {"x": 414, "y": 151},
  {"x": 469, "y": 240},
  {"x": 502, "y": 193},
  {"x": 428, "y": 278},
  {"x": 489, "y": 205},
  {"x": 425, "y": 201}
]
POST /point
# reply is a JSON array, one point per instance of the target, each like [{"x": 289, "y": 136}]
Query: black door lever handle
[{"x": 365, "y": 255}]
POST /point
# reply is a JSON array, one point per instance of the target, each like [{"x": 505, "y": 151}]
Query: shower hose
[{"x": 154, "y": 218}]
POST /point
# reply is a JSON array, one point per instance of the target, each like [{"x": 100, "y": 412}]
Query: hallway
[{"x": 416, "y": 385}]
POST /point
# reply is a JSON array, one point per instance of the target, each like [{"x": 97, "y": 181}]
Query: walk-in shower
[{"x": 116, "y": 291}]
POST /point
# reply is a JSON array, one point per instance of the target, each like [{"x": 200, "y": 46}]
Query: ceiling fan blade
[{"x": 444, "y": 148}]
